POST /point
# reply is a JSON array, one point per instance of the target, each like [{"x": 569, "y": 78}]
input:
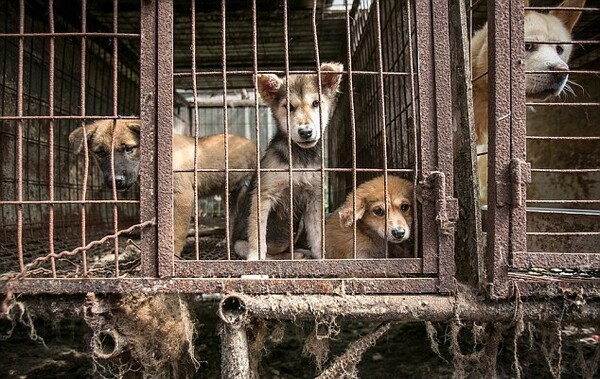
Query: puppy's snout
[
  {"x": 306, "y": 133},
  {"x": 558, "y": 66},
  {"x": 398, "y": 233}
]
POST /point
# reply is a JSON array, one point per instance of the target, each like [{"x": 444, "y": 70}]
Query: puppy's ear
[
  {"x": 134, "y": 126},
  {"x": 268, "y": 86},
  {"x": 345, "y": 212},
  {"x": 331, "y": 75},
  {"x": 568, "y": 18},
  {"x": 77, "y": 139}
]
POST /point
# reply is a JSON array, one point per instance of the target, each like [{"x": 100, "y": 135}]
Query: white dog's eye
[
  {"x": 559, "y": 49},
  {"x": 379, "y": 211},
  {"x": 404, "y": 207},
  {"x": 315, "y": 104},
  {"x": 528, "y": 46}
]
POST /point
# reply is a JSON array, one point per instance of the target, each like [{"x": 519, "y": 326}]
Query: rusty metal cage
[
  {"x": 392, "y": 118},
  {"x": 543, "y": 240}
]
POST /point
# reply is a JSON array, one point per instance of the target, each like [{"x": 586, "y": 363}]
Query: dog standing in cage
[
  {"x": 309, "y": 109},
  {"x": 555, "y": 26},
  {"x": 124, "y": 136},
  {"x": 372, "y": 232}
]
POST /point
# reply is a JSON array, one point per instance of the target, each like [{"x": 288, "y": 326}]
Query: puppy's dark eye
[
  {"x": 404, "y": 207},
  {"x": 292, "y": 108},
  {"x": 528, "y": 46},
  {"x": 559, "y": 49},
  {"x": 129, "y": 149},
  {"x": 379, "y": 211},
  {"x": 315, "y": 104},
  {"x": 101, "y": 153}
]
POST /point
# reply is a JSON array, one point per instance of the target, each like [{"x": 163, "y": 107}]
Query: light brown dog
[
  {"x": 210, "y": 155},
  {"x": 554, "y": 26},
  {"x": 372, "y": 233}
]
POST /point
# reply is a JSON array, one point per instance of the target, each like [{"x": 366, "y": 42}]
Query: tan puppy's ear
[
  {"x": 345, "y": 212},
  {"x": 134, "y": 125},
  {"x": 268, "y": 86},
  {"x": 569, "y": 18},
  {"x": 77, "y": 139},
  {"x": 331, "y": 75}
]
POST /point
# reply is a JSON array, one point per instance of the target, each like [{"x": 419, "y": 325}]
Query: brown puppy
[
  {"x": 210, "y": 155},
  {"x": 554, "y": 26},
  {"x": 309, "y": 115},
  {"x": 372, "y": 233}
]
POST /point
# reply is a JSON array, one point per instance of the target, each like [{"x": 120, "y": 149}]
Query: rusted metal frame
[
  {"x": 286, "y": 55},
  {"x": 68, "y": 34},
  {"x": 61, "y": 202},
  {"x": 446, "y": 204},
  {"x": 499, "y": 188},
  {"x": 181, "y": 74},
  {"x": 86, "y": 155},
  {"x": 427, "y": 102},
  {"x": 256, "y": 109},
  {"x": 164, "y": 128},
  {"x": 411, "y": 308},
  {"x": 555, "y": 288},
  {"x": 149, "y": 147},
  {"x": 282, "y": 269},
  {"x": 348, "y": 286},
  {"x": 520, "y": 170},
  {"x": 196, "y": 132},
  {"x": 555, "y": 259},
  {"x": 61, "y": 117},
  {"x": 469, "y": 237},
  {"x": 534, "y": 104},
  {"x": 51, "y": 66}
]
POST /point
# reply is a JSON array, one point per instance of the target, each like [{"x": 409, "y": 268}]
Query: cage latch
[
  {"x": 520, "y": 176},
  {"x": 446, "y": 207}
]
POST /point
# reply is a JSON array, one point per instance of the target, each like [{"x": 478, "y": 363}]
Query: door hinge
[
  {"x": 520, "y": 176},
  {"x": 446, "y": 207}
]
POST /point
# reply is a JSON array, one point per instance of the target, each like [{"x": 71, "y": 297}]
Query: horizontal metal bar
[
  {"x": 294, "y": 169},
  {"x": 591, "y": 212},
  {"x": 571, "y": 42},
  {"x": 465, "y": 306},
  {"x": 69, "y": 34},
  {"x": 581, "y": 234},
  {"x": 534, "y": 104},
  {"x": 60, "y": 202},
  {"x": 563, "y": 138},
  {"x": 565, "y": 170},
  {"x": 591, "y": 9},
  {"x": 281, "y": 72},
  {"x": 299, "y": 268},
  {"x": 68, "y": 117},
  {"x": 557, "y": 259},
  {"x": 549, "y": 287},
  {"x": 224, "y": 285}
]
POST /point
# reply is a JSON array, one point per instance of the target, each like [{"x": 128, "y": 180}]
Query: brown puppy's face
[
  {"x": 371, "y": 208},
  {"x": 100, "y": 136}
]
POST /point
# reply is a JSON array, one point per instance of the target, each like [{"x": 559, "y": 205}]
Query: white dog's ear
[
  {"x": 77, "y": 139},
  {"x": 345, "y": 212},
  {"x": 569, "y": 18},
  {"x": 268, "y": 86},
  {"x": 331, "y": 75}
]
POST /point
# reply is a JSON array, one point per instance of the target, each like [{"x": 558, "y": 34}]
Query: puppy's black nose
[
  {"x": 398, "y": 233},
  {"x": 305, "y": 133},
  {"x": 119, "y": 181}
]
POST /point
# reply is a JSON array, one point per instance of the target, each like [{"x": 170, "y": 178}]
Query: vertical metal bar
[
  {"x": 289, "y": 131},
  {"x": 499, "y": 147},
  {"x": 19, "y": 156},
  {"x": 256, "y": 115},
  {"x": 443, "y": 123},
  {"x": 115, "y": 113},
  {"x": 225, "y": 126},
  {"x": 352, "y": 123},
  {"x": 51, "y": 138},
  {"x": 318, "y": 62},
  {"x": 196, "y": 133},
  {"x": 86, "y": 156},
  {"x": 413, "y": 108},
  {"x": 148, "y": 137},
  {"x": 165, "y": 133},
  {"x": 427, "y": 126},
  {"x": 379, "y": 51}
]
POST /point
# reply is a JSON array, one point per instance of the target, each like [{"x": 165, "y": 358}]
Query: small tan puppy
[
  {"x": 554, "y": 26},
  {"x": 210, "y": 154},
  {"x": 372, "y": 234}
]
